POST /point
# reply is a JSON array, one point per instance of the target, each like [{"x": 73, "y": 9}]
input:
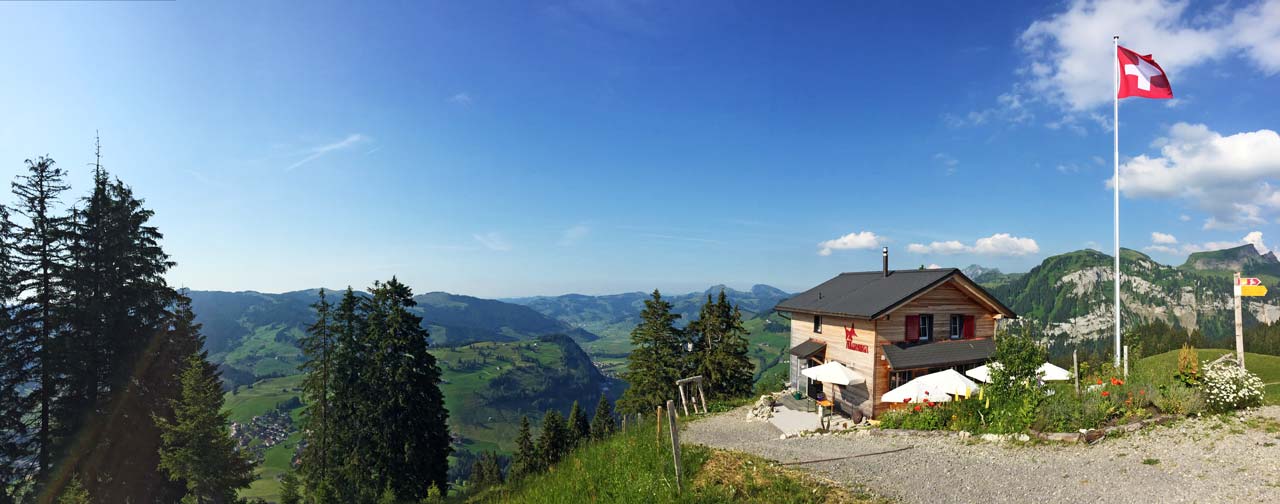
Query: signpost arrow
[
  {"x": 1253, "y": 290},
  {"x": 1249, "y": 281}
]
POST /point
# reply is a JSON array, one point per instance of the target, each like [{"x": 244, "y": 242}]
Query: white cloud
[
  {"x": 1184, "y": 218},
  {"x": 933, "y": 266},
  {"x": 852, "y": 241},
  {"x": 999, "y": 244},
  {"x": 1076, "y": 77},
  {"x": 493, "y": 241},
  {"x": 461, "y": 99},
  {"x": 318, "y": 151},
  {"x": 1163, "y": 238},
  {"x": 574, "y": 234},
  {"x": 1066, "y": 63},
  {"x": 1253, "y": 237},
  {"x": 1230, "y": 177},
  {"x": 938, "y": 247}
]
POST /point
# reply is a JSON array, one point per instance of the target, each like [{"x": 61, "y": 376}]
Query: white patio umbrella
[
  {"x": 1048, "y": 372},
  {"x": 834, "y": 372},
  {"x": 933, "y": 386}
]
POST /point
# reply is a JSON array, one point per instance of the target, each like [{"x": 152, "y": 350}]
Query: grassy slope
[
  {"x": 634, "y": 467},
  {"x": 1266, "y": 367},
  {"x": 268, "y": 350}
]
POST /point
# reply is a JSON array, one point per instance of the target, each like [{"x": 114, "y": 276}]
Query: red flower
[
  {"x": 1105, "y": 393},
  {"x": 1099, "y": 381},
  {"x": 907, "y": 400},
  {"x": 926, "y": 392},
  {"x": 1142, "y": 392},
  {"x": 1116, "y": 381},
  {"x": 917, "y": 408}
]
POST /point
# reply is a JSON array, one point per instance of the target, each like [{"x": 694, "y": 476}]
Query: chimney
[{"x": 885, "y": 253}]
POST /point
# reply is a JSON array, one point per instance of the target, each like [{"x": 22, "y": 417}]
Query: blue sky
[{"x": 506, "y": 149}]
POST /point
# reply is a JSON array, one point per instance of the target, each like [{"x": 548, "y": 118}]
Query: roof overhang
[{"x": 808, "y": 349}]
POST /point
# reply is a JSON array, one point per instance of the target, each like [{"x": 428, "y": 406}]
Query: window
[
  {"x": 957, "y": 326},
  {"x": 817, "y": 324},
  {"x": 926, "y": 327},
  {"x": 899, "y": 378}
]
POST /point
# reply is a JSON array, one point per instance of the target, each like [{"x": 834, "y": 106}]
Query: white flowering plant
[{"x": 1227, "y": 387}]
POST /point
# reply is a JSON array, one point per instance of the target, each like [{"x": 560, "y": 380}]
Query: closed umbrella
[{"x": 934, "y": 387}]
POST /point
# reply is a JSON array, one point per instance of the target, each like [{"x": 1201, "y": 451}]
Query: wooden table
[{"x": 822, "y": 418}]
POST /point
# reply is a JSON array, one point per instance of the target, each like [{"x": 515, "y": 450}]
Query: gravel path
[{"x": 1201, "y": 460}]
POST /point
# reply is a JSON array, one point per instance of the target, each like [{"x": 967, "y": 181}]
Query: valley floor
[{"x": 1210, "y": 459}]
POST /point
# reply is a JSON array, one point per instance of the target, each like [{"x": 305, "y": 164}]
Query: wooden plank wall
[
  {"x": 941, "y": 302},
  {"x": 833, "y": 334}
]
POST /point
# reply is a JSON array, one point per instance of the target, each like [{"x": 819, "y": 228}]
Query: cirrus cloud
[{"x": 852, "y": 241}]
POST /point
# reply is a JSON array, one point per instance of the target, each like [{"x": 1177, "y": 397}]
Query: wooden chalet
[{"x": 889, "y": 326}]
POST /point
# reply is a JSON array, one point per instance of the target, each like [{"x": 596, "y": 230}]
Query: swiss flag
[{"x": 1141, "y": 76}]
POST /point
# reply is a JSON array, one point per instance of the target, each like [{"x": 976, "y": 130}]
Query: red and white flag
[{"x": 1141, "y": 76}]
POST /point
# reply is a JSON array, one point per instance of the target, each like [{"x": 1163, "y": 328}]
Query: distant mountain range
[{"x": 1068, "y": 297}]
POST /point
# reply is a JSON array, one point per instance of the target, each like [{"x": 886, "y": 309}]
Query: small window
[
  {"x": 817, "y": 324},
  {"x": 899, "y": 378},
  {"x": 957, "y": 326},
  {"x": 926, "y": 327}
]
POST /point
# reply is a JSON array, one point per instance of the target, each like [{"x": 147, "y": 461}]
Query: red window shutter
[
  {"x": 913, "y": 328},
  {"x": 969, "y": 327}
]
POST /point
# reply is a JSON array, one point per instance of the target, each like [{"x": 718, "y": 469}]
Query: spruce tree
[
  {"x": 525, "y": 460},
  {"x": 720, "y": 352},
  {"x": 318, "y": 349},
  {"x": 554, "y": 442},
  {"x": 656, "y": 359},
  {"x": 289, "y": 493},
  {"x": 579, "y": 427},
  {"x": 406, "y": 417},
  {"x": 486, "y": 471},
  {"x": 40, "y": 264},
  {"x": 197, "y": 449},
  {"x": 15, "y": 441},
  {"x": 350, "y": 449},
  {"x": 602, "y": 423},
  {"x": 74, "y": 493}
]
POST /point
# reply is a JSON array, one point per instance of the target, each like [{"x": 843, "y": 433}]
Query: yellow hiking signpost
[{"x": 1245, "y": 287}]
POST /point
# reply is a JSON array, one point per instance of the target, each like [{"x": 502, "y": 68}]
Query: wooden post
[
  {"x": 682, "y": 400},
  {"x": 1126, "y": 362},
  {"x": 1239, "y": 325},
  {"x": 624, "y": 424},
  {"x": 658, "y": 417},
  {"x": 1075, "y": 369},
  {"x": 703, "y": 397},
  {"x": 675, "y": 442}
]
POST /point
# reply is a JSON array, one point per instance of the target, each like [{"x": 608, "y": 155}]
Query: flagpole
[{"x": 1115, "y": 156}]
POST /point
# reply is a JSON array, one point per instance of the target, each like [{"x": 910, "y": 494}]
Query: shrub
[
  {"x": 1188, "y": 367},
  {"x": 1178, "y": 400},
  {"x": 1228, "y": 387},
  {"x": 931, "y": 416}
]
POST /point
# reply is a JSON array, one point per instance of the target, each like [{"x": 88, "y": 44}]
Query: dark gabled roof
[
  {"x": 939, "y": 353},
  {"x": 808, "y": 349},
  {"x": 871, "y": 294}
]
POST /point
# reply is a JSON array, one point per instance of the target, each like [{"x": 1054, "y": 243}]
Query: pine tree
[
  {"x": 720, "y": 354},
  {"x": 486, "y": 471},
  {"x": 406, "y": 418},
  {"x": 40, "y": 261},
  {"x": 602, "y": 423},
  {"x": 318, "y": 347},
  {"x": 553, "y": 443},
  {"x": 579, "y": 427},
  {"x": 15, "y": 441},
  {"x": 197, "y": 449},
  {"x": 525, "y": 460},
  {"x": 656, "y": 360},
  {"x": 350, "y": 450},
  {"x": 74, "y": 493},
  {"x": 289, "y": 489}
]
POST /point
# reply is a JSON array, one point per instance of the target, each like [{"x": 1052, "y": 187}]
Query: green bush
[
  {"x": 1228, "y": 387},
  {"x": 918, "y": 417},
  {"x": 1179, "y": 400}
]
